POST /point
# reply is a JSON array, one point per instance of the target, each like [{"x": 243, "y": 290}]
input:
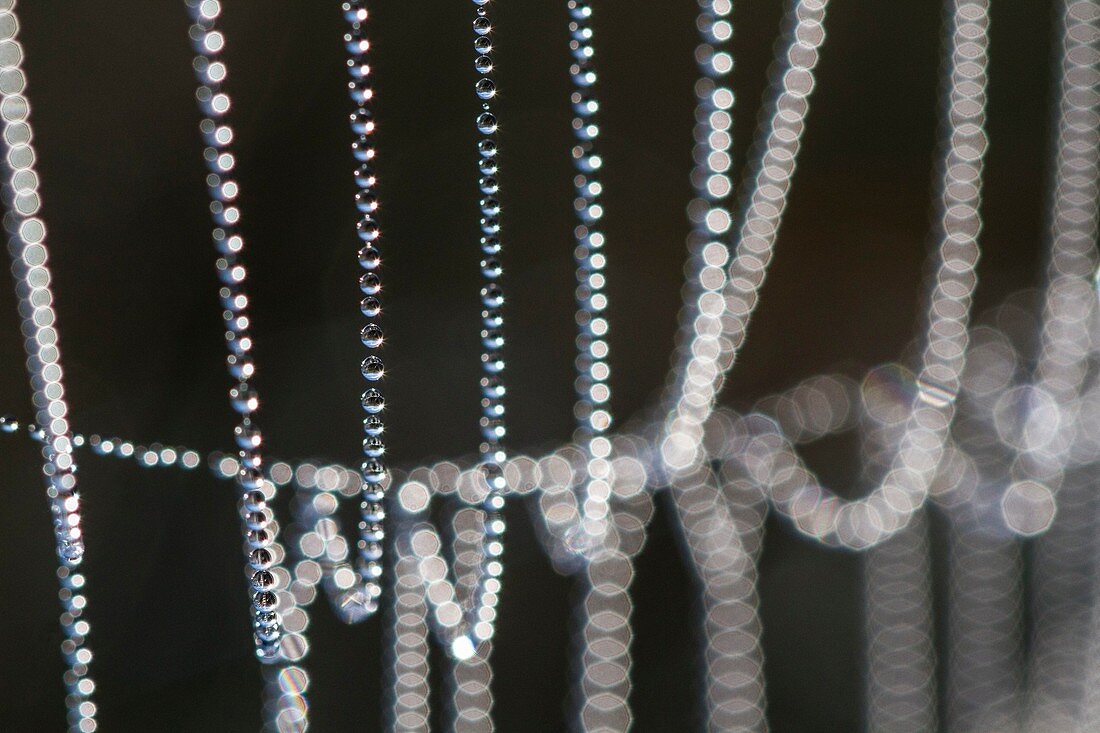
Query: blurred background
[{"x": 120, "y": 158}]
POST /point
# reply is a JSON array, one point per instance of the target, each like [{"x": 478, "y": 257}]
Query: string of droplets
[
  {"x": 720, "y": 528},
  {"x": 710, "y": 178},
  {"x": 716, "y": 322},
  {"x": 601, "y": 678},
  {"x": 866, "y": 522},
  {"x": 900, "y": 686},
  {"x": 463, "y": 623},
  {"x": 480, "y": 609},
  {"x": 1065, "y": 557},
  {"x": 709, "y": 212},
  {"x": 593, "y": 371},
  {"x": 256, "y": 516},
  {"x": 30, "y": 268},
  {"x": 1059, "y": 372},
  {"x": 372, "y": 470}
]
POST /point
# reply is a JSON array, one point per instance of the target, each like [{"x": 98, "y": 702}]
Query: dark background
[{"x": 120, "y": 159}]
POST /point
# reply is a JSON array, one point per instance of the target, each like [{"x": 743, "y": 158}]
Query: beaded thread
[
  {"x": 257, "y": 518},
  {"x": 30, "y": 268}
]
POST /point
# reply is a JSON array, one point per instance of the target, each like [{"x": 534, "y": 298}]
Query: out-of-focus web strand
[
  {"x": 257, "y": 519},
  {"x": 33, "y": 289}
]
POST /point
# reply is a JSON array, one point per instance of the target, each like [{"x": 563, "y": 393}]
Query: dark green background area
[{"x": 120, "y": 158}]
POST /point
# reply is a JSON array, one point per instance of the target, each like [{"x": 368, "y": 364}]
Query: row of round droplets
[
  {"x": 1063, "y": 365},
  {"x": 595, "y": 701},
  {"x": 712, "y": 153},
  {"x": 719, "y": 320},
  {"x": 710, "y": 177},
  {"x": 1060, "y": 371},
  {"x": 491, "y": 449},
  {"x": 905, "y": 486},
  {"x": 373, "y": 470},
  {"x": 30, "y": 268},
  {"x": 256, "y": 515},
  {"x": 593, "y": 371},
  {"x": 27, "y": 246}
]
